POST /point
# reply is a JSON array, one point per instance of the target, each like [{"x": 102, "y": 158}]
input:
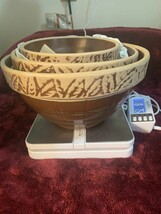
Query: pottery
[
  {"x": 48, "y": 67},
  {"x": 86, "y": 85},
  {"x": 71, "y": 49},
  {"x": 84, "y": 112},
  {"x": 66, "y": 99}
]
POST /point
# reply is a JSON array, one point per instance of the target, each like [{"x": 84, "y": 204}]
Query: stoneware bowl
[
  {"x": 88, "y": 97},
  {"x": 71, "y": 49},
  {"x": 48, "y": 67}
]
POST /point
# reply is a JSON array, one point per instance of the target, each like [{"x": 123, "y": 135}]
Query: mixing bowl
[
  {"x": 89, "y": 97},
  {"x": 71, "y": 49}
]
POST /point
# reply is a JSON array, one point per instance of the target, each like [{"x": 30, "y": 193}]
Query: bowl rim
[
  {"x": 73, "y": 65},
  {"x": 146, "y": 56},
  {"x": 107, "y": 83},
  {"x": 113, "y": 49}
]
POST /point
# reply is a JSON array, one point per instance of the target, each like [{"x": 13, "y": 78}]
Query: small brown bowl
[{"x": 71, "y": 49}]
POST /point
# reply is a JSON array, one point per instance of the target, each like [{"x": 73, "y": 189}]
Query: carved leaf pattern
[
  {"x": 78, "y": 87},
  {"x": 79, "y": 59},
  {"x": 95, "y": 88},
  {"x": 78, "y": 90}
]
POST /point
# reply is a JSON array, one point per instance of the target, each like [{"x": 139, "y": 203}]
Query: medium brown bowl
[
  {"x": 48, "y": 67},
  {"x": 71, "y": 49},
  {"x": 66, "y": 99}
]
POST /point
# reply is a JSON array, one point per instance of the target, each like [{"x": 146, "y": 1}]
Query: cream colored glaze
[{"x": 79, "y": 86}]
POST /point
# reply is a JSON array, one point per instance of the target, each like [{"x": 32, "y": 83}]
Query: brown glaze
[
  {"x": 88, "y": 112},
  {"x": 70, "y": 45}
]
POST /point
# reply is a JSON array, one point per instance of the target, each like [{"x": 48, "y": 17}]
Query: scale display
[{"x": 139, "y": 105}]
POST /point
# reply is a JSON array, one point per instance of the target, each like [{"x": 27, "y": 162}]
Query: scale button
[
  {"x": 150, "y": 118},
  {"x": 134, "y": 118},
  {"x": 145, "y": 118},
  {"x": 139, "y": 118}
]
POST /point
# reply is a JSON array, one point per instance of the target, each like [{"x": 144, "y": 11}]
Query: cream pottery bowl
[
  {"x": 48, "y": 67},
  {"x": 71, "y": 49},
  {"x": 67, "y": 98}
]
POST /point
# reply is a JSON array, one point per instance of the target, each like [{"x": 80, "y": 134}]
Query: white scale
[{"x": 113, "y": 138}]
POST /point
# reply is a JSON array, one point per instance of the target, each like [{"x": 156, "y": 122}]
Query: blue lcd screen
[{"x": 139, "y": 105}]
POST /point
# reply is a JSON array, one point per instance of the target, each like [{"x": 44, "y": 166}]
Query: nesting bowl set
[{"x": 83, "y": 81}]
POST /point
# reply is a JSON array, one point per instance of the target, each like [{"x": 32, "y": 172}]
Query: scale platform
[{"x": 113, "y": 138}]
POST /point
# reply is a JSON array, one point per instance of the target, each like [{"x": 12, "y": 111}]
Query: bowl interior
[{"x": 70, "y": 44}]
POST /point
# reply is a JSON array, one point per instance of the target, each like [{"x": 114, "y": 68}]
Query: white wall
[{"x": 19, "y": 18}]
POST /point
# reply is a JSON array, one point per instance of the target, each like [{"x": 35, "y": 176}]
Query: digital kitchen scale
[{"x": 113, "y": 138}]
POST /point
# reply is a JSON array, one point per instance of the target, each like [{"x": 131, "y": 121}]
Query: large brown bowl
[
  {"x": 86, "y": 112},
  {"x": 48, "y": 67},
  {"x": 88, "y": 97},
  {"x": 71, "y": 49}
]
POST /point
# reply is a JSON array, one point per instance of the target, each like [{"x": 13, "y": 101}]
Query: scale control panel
[
  {"x": 140, "y": 114},
  {"x": 142, "y": 117}
]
